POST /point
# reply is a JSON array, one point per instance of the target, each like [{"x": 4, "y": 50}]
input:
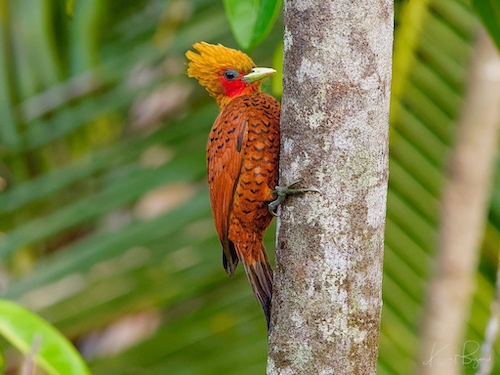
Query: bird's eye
[{"x": 230, "y": 74}]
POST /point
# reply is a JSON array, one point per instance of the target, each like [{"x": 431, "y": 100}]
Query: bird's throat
[{"x": 233, "y": 88}]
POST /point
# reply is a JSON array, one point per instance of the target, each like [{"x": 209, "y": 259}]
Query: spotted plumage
[{"x": 242, "y": 159}]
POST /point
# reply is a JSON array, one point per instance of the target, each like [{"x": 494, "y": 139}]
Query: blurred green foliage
[
  {"x": 104, "y": 209},
  {"x": 251, "y": 20},
  {"x": 39, "y": 341},
  {"x": 489, "y": 13}
]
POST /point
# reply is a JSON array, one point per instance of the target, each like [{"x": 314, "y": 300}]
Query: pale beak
[{"x": 257, "y": 74}]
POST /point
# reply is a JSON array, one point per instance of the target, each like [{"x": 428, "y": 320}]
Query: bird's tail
[{"x": 260, "y": 275}]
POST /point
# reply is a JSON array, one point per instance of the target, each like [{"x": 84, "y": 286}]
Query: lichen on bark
[{"x": 334, "y": 125}]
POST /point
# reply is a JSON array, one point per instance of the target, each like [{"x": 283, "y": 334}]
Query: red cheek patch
[{"x": 232, "y": 88}]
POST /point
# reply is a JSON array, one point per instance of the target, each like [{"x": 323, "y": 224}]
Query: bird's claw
[
  {"x": 273, "y": 206},
  {"x": 282, "y": 192}
]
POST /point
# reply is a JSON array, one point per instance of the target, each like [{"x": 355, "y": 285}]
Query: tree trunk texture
[
  {"x": 334, "y": 127},
  {"x": 464, "y": 207}
]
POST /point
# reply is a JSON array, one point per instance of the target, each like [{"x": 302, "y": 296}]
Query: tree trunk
[
  {"x": 464, "y": 208},
  {"x": 334, "y": 128}
]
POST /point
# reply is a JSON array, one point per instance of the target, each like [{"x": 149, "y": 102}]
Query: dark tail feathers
[{"x": 260, "y": 276}]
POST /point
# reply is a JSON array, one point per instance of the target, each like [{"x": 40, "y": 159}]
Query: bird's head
[{"x": 225, "y": 73}]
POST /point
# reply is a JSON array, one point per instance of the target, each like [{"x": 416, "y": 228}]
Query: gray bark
[
  {"x": 464, "y": 208},
  {"x": 334, "y": 127}
]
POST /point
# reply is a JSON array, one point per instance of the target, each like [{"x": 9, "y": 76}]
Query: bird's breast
[{"x": 242, "y": 161}]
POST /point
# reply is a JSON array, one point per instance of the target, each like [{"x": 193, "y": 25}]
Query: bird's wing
[{"x": 224, "y": 160}]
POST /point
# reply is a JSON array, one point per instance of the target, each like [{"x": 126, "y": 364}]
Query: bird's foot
[{"x": 282, "y": 192}]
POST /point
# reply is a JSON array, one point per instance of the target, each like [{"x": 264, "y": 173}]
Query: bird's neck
[{"x": 233, "y": 92}]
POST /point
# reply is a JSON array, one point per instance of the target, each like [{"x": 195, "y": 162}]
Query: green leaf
[
  {"x": 35, "y": 337},
  {"x": 251, "y": 20},
  {"x": 277, "y": 79},
  {"x": 2, "y": 363},
  {"x": 489, "y": 13},
  {"x": 70, "y": 6}
]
